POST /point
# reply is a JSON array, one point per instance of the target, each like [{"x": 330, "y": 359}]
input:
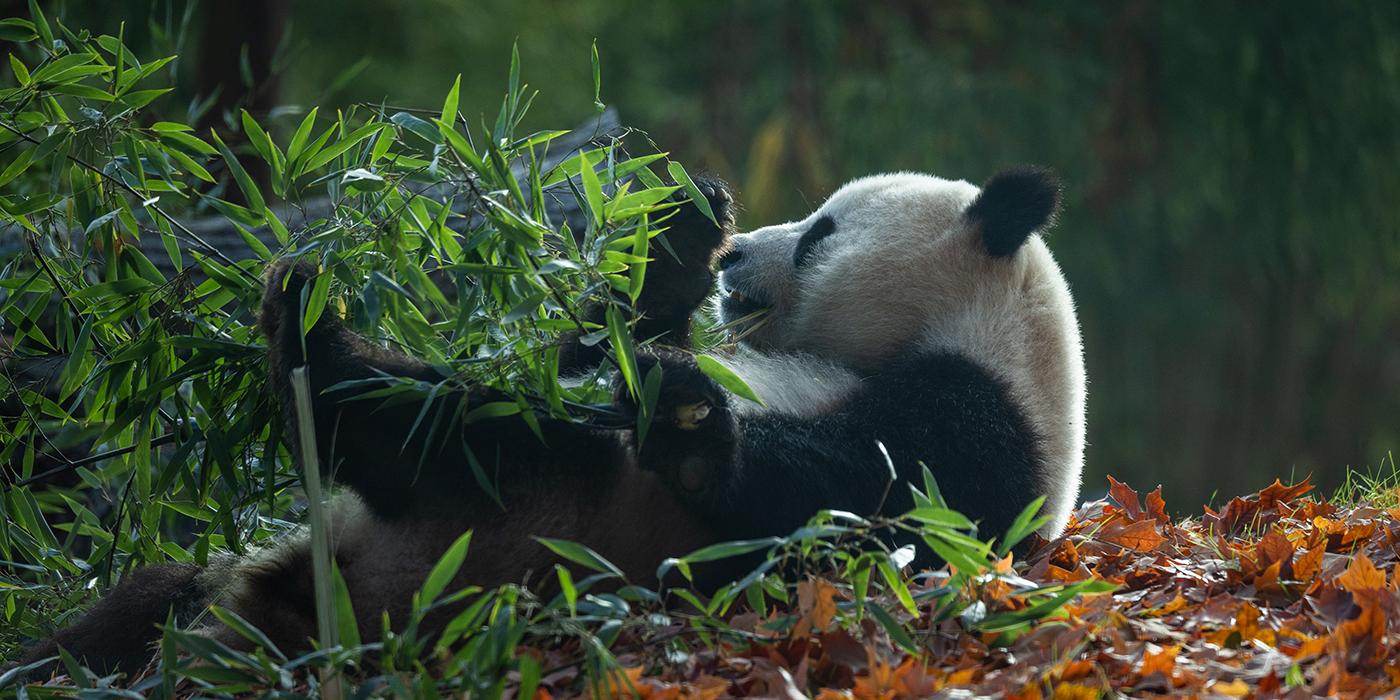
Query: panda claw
[{"x": 688, "y": 417}]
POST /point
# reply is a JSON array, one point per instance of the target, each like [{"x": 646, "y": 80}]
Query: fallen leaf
[
  {"x": 1073, "y": 691},
  {"x": 1157, "y": 506},
  {"x": 1139, "y": 536},
  {"x": 1361, "y": 575},
  {"x": 816, "y": 603},
  {"x": 1235, "y": 688},
  {"x": 1125, "y": 496},
  {"x": 1308, "y": 564},
  {"x": 1162, "y": 661}
]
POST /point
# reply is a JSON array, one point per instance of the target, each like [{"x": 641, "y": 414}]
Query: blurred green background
[{"x": 1232, "y": 222}]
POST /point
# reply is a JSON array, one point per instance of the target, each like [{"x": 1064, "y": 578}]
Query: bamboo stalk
[{"x": 324, "y": 586}]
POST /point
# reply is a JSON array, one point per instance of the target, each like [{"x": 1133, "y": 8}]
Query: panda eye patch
[{"x": 821, "y": 228}]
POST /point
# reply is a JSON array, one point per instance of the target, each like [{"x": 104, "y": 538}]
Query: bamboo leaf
[
  {"x": 449, "y": 105},
  {"x": 445, "y": 569},
  {"x": 621, "y": 341},
  {"x": 581, "y": 555},
  {"x": 726, "y": 378},
  {"x": 682, "y": 178},
  {"x": 240, "y": 175}
]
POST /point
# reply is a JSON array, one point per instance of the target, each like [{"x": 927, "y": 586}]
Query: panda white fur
[{"x": 908, "y": 310}]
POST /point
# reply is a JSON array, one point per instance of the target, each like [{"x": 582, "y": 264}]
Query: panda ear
[{"x": 1014, "y": 203}]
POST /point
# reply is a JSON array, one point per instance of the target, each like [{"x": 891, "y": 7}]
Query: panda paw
[
  {"x": 689, "y": 400},
  {"x": 701, "y": 236},
  {"x": 692, "y": 242},
  {"x": 692, "y": 436}
]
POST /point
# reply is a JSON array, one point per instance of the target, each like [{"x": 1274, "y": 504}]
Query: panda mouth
[{"x": 738, "y": 304}]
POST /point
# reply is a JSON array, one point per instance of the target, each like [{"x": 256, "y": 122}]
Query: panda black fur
[{"x": 908, "y": 310}]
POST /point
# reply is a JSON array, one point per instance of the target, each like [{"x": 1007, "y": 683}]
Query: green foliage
[{"x": 432, "y": 234}]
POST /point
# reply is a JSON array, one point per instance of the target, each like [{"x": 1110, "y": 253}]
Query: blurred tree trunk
[{"x": 236, "y": 65}]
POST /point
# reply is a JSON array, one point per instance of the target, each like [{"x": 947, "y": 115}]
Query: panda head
[
  {"x": 894, "y": 266},
  {"x": 889, "y": 260}
]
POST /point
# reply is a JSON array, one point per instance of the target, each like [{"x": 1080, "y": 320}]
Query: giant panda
[
  {"x": 909, "y": 319},
  {"x": 909, "y": 315}
]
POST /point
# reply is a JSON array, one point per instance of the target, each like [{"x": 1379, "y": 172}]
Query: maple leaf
[
  {"x": 1125, "y": 496},
  {"x": 1273, "y": 547},
  {"x": 1276, "y": 492},
  {"x": 1361, "y": 575},
  {"x": 1139, "y": 536},
  {"x": 879, "y": 680},
  {"x": 1360, "y": 640},
  {"x": 1258, "y": 510}
]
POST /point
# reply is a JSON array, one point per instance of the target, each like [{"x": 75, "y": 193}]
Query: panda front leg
[
  {"x": 680, "y": 279},
  {"x": 692, "y": 438},
  {"x": 381, "y": 449}
]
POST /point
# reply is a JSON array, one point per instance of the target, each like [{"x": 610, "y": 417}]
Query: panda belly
[{"x": 626, "y": 515}]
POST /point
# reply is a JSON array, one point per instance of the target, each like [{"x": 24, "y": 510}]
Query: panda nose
[{"x": 730, "y": 257}]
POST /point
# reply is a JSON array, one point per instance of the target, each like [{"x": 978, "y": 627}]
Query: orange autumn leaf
[
  {"x": 914, "y": 679},
  {"x": 1278, "y": 493},
  {"x": 1235, "y": 688},
  {"x": 619, "y": 685},
  {"x": 1075, "y": 669},
  {"x": 1003, "y": 565},
  {"x": 1357, "y": 533},
  {"x": 1140, "y": 536},
  {"x": 1170, "y": 607},
  {"x": 1157, "y": 506},
  {"x": 1273, "y": 547},
  {"x": 1328, "y": 526},
  {"x": 1309, "y": 564},
  {"x": 1125, "y": 496},
  {"x": 1030, "y": 692},
  {"x": 1361, "y": 639},
  {"x": 878, "y": 681},
  {"x": 816, "y": 602},
  {"x": 1268, "y": 580},
  {"x": 708, "y": 688},
  {"x": 1163, "y": 661},
  {"x": 1311, "y": 648},
  {"x": 962, "y": 676},
  {"x": 1074, "y": 691},
  {"x": 1361, "y": 575},
  {"x": 1246, "y": 626}
]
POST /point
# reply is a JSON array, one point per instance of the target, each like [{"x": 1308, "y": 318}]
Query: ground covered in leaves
[{"x": 1275, "y": 595}]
